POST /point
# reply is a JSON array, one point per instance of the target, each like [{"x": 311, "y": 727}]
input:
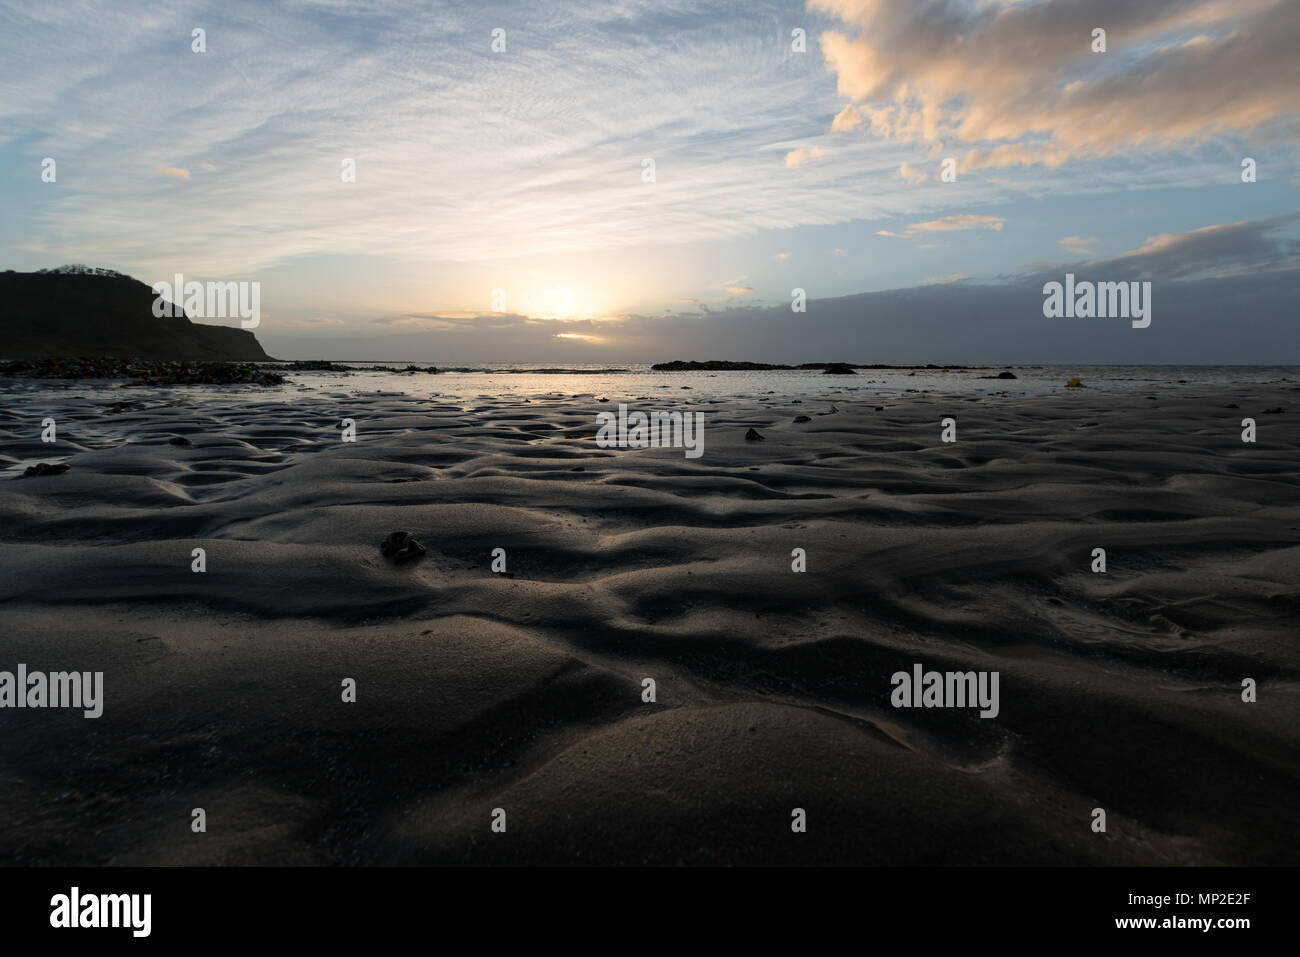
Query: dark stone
[
  {"x": 44, "y": 468},
  {"x": 751, "y": 435},
  {"x": 839, "y": 368},
  {"x": 402, "y": 546},
  {"x": 1007, "y": 375},
  {"x": 803, "y": 418},
  {"x": 179, "y": 440}
]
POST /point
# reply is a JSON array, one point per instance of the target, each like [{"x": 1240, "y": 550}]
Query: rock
[
  {"x": 178, "y": 440},
  {"x": 1271, "y": 411},
  {"x": 45, "y": 468},
  {"x": 840, "y": 368},
  {"x": 1007, "y": 375},
  {"x": 578, "y": 468},
  {"x": 803, "y": 418},
  {"x": 751, "y": 435},
  {"x": 402, "y": 546}
]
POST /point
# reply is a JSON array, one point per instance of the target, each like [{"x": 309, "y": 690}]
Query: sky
[{"x": 637, "y": 181}]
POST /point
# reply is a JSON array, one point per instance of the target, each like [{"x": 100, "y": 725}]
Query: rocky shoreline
[{"x": 143, "y": 372}]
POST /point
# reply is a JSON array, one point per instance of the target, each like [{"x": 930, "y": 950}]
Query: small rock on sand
[
  {"x": 45, "y": 468},
  {"x": 402, "y": 546}
]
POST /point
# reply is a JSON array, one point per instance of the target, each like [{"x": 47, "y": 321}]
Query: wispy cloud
[
  {"x": 1081, "y": 245},
  {"x": 803, "y": 155},
  {"x": 461, "y": 154},
  {"x": 948, "y": 224},
  {"x": 314, "y": 322},
  {"x": 911, "y": 174}
]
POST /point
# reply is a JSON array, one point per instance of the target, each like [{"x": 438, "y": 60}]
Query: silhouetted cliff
[{"x": 65, "y": 314}]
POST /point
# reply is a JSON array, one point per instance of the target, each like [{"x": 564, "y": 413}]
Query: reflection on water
[{"x": 638, "y": 381}]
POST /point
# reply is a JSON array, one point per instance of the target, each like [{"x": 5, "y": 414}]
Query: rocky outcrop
[{"x": 61, "y": 314}]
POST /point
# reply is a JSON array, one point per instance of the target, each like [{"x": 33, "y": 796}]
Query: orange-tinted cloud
[{"x": 1019, "y": 84}]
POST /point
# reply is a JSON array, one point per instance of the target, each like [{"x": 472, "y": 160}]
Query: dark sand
[{"x": 476, "y": 691}]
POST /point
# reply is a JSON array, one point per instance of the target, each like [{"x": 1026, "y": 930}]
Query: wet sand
[{"x": 523, "y": 690}]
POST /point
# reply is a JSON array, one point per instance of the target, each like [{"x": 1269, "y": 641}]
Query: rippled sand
[{"x": 523, "y": 691}]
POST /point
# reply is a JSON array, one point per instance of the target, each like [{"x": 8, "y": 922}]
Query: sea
[{"x": 639, "y": 380}]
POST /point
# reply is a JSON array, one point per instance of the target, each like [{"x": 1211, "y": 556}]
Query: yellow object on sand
[{"x": 1075, "y": 383}]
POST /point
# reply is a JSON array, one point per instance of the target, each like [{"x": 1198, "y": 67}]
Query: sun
[{"x": 562, "y": 301}]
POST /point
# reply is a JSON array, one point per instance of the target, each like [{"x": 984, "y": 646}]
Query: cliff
[{"x": 74, "y": 312}]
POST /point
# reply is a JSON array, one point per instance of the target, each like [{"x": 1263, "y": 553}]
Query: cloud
[
  {"x": 740, "y": 290},
  {"x": 451, "y": 320},
  {"x": 1080, "y": 245},
  {"x": 911, "y": 174},
  {"x": 938, "y": 280},
  {"x": 840, "y": 252},
  {"x": 782, "y": 256},
  {"x": 948, "y": 224},
  {"x": 462, "y": 155},
  {"x": 1018, "y": 84},
  {"x": 801, "y": 156},
  {"x": 314, "y": 322},
  {"x": 1227, "y": 249},
  {"x": 846, "y": 119},
  {"x": 173, "y": 171}
]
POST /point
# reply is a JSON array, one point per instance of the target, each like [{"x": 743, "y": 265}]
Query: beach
[{"x": 524, "y": 690}]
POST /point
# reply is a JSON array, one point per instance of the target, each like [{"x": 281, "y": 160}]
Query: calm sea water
[
  {"x": 522, "y": 379},
  {"x": 635, "y": 381}
]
